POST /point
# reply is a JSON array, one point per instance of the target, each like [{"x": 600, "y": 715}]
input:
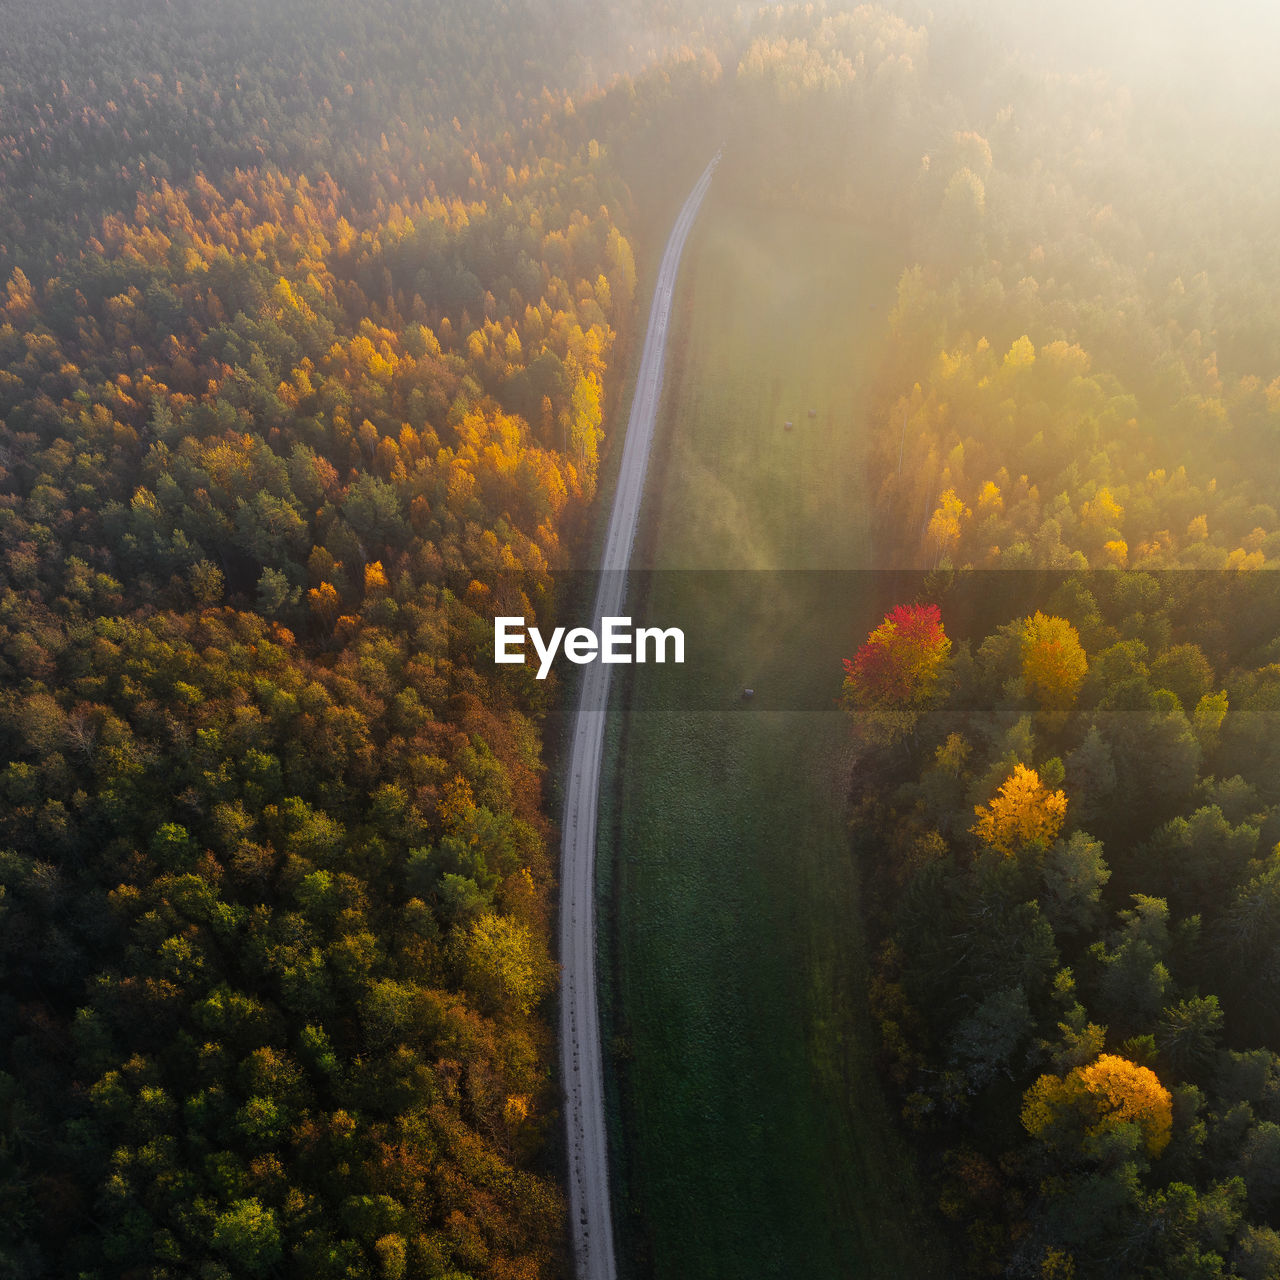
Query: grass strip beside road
[{"x": 754, "y": 1137}]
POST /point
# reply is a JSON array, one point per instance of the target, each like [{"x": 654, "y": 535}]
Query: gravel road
[{"x": 581, "y": 1054}]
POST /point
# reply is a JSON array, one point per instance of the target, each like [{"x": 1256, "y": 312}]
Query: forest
[
  {"x": 305, "y": 339},
  {"x": 1065, "y": 801},
  {"x": 313, "y": 324}
]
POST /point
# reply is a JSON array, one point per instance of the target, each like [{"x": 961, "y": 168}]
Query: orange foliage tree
[
  {"x": 1023, "y": 811},
  {"x": 1096, "y": 1098}
]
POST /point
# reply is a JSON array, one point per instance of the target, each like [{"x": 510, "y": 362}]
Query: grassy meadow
[{"x": 754, "y": 1138}]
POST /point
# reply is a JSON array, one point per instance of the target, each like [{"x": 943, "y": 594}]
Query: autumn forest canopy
[{"x": 315, "y": 329}]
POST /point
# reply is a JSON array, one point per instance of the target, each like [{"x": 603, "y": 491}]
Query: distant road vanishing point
[{"x": 580, "y": 1049}]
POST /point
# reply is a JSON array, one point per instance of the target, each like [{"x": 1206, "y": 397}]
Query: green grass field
[{"x": 754, "y": 1138}]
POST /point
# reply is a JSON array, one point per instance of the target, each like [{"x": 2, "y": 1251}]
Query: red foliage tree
[{"x": 892, "y": 677}]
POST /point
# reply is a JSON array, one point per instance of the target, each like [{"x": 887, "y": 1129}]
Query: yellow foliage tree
[
  {"x": 457, "y": 804},
  {"x": 1242, "y": 559},
  {"x": 1053, "y": 665},
  {"x": 1107, "y": 1092},
  {"x": 324, "y": 602},
  {"x": 1057, "y": 1265},
  {"x": 1022, "y": 355},
  {"x": 505, "y": 965},
  {"x": 622, "y": 267},
  {"x": 1116, "y": 552},
  {"x": 19, "y": 298},
  {"x": 1103, "y": 511},
  {"x": 944, "y": 525},
  {"x": 1022, "y": 811},
  {"x": 584, "y": 427}
]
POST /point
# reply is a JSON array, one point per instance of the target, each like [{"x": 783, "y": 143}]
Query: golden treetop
[{"x": 1023, "y": 810}]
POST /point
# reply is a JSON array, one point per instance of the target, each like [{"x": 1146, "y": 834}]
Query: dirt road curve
[{"x": 580, "y": 1050}]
